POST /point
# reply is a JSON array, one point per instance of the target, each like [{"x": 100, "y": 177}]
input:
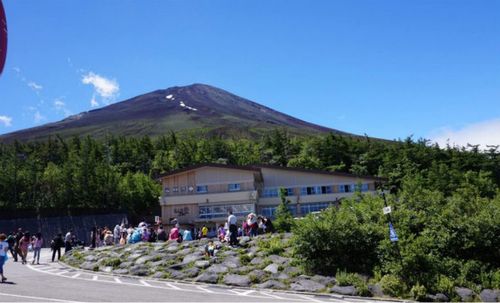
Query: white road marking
[
  {"x": 172, "y": 286},
  {"x": 118, "y": 280},
  {"x": 271, "y": 295},
  {"x": 35, "y": 298},
  {"x": 310, "y": 298},
  {"x": 75, "y": 276},
  {"x": 204, "y": 289},
  {"x": 63, "y": 272},
  {"x": 241, "y": 292},
  {"x": 94, "y": 278},
  {"x": 145, "y": 283}
]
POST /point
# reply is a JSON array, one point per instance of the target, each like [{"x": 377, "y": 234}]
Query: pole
[{"x": 395, "y": 242}]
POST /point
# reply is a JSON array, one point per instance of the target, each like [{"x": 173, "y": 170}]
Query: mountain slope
[{"x": 195, "y": 108}]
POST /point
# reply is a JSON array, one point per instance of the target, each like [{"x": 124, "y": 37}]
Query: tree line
[{"x": 120, "y": 173}]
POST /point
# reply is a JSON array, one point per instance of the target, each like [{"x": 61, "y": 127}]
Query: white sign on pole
[{"x": 387, "y": 210}]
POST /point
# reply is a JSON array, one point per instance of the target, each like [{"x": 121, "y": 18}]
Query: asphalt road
[{"x": 54, "y": 282}]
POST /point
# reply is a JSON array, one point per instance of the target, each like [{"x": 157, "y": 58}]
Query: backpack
[{"x": 136, "y": 236}]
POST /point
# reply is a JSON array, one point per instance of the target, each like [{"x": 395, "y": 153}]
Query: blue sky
[{"x": 389, "y": 69}]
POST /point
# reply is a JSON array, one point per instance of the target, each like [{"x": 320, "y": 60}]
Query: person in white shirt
[
  {"x": 67, "y": 241},
  {"x": 4, "y": 247},
  {"x": 233, "y": 228}
]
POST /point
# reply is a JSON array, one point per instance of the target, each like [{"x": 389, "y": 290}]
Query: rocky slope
[{"x": 195, "y": 108}]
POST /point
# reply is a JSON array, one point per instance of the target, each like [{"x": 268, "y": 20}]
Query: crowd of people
[{"x": 19, "y": 243}]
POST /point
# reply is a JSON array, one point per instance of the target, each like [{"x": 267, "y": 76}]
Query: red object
[{"x": 3, "y": 37}]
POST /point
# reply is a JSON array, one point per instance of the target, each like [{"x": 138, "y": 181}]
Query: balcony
[{"x": 219, "y": 197}]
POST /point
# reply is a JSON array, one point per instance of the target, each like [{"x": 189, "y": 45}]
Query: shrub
[
  {"x": 445, "y": 285},
  {"x": 273, "y": 246},
  {"x": 245, "y": 259},
  {"x": 344, "y": 279},
  {"x": 113, "y": 262},
  {"x": 392, "y": 286},
  {"x": 419, "y": 292}
]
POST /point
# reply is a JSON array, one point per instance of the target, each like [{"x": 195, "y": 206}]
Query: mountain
[{"x": 194, "y": 108}]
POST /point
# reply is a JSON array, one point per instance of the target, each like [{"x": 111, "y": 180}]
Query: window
[
  {"x": 202, "y": 189},
  {"x": 326, "y": 189},
  {"x": 346, "y": 188},
  {"x": 269, "y": 192},
  {"x": 315, "y": 190},
  {"x": 289, "y": 191},
  {"x": 220, "y": 211},
  {"x": 271, "y": 211},
  {"x": 364, "y": 187},
  {"x": 313, "y": 207},
  {"x": 234, "y": 187}
]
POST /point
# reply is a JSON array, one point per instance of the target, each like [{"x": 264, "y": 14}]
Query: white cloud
[
  {"x": 37, "y": 117},
  {"x": 483, "y": 133},
  {"x": 34, "y": 86},
  {"x": 60, "y": 106},
  {"x": 107, "y": 89},
  {"x": 93, "y": 102},
  {"x": 6, "y": 121}
]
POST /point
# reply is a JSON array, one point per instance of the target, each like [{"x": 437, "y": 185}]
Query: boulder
[
  {"x": 202, "y": 263},
  {"x": 489, "y": 295},
  {"x": 280, "y": 276},
  {"x": 272, "y": 268},
  {"x": 257, "y": 261},
  {"x": 90, "y": 258},
  {"x": 184, "y": 252},
  {"x": 218, "y": 269},
  {"x": 258, "y": 274},
  {"x": 134, "y": 256},
  {"x": 191, "y": 258},
  {"x": 139, "y": 270},
  {"x": 271, "y": 284},
  {"x": 465, "y": 294},
  {"x": 192, "y": 272},
  {"x": 232, "y": 262},
  {"x": 229, "y": 253},
  {"x": 207, "y": 277},
  {"x": 278, "y": 259},
  {"x": 244, "y": 240},
  {"x": 176, "y": 274},
  {"x": 345, "y": 290},
  {"x": 89, "y": 265},
  {"x": 323, "y": 279},
  {"x": 236, "y": 280},
  {"x": 306, "y": 285},
  {"x": 159, "y": 275},
  {"x": 125, "y": 264},
  {"x": 143, "y": 259},
  {"x": 376, "y": 290},
  {"x": 291, "y": 270},
  {"x": 172, "y": 248},
  {"x": 439, "y": 297},
  {"x": 120, "y": 271},
  {"x": 107, "y": 269},
  {"x": 241, "y": 270}
]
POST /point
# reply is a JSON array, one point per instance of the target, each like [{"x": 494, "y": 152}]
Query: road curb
[{"x": 332, "y": 295}]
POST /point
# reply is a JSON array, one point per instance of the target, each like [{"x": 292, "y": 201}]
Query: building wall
[{"x": 288, "y": 178}]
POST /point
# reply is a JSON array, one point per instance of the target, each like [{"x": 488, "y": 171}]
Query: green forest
[{"x": 445, "y": 200}]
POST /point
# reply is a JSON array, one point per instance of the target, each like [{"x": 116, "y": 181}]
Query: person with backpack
[
  {"x": 4, "y": 247},
  {"x": 11, "y": 240},
  {"x": 56, "y": 245}
]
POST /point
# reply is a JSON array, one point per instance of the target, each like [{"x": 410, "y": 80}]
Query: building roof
[{"x": 258, "y": 167}]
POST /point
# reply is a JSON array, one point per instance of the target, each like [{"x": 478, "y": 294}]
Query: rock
[
  {"x": 192, "y": 272},
  {"x": 184, "y": 251},
  {"x": 241, "y": 270},
  {"x": 291, "y": 270},
  {"x": 177, "y": 266},
  {"x": 325, "y": 280},
  {"x": 159, "y": 275},
  {"x": 90, "y": 258},
  {"x": 280, "y": 276},
  {"x": 125, "y": 264},
  {"x": 287, "y": 236},
  {"x": 207, "y": 277},
  {"x": 258, "y": 274},
  {"x": 306, "y": 285},
  {"x": 272, "y": 268},
  {"x": 143, "y": 260},
  {"x": 157, "y": 264},
  {"x": 134, "y": 256},
  {"x": 376, "y": 290},
  {"x": 271, "y": 284},
  {"x": 232, "y": 262},
  {"x": 439, "y": 297},
  {"x": 236, "y": 280},
  {"x": 345, "y": 290},
  {"x": 139, "y": 270},
  {"x": 202, "y": 263},
  {"x": 253, "y": 249},
  {"x": 89, "y": 265},
  {"x": 172, "y": 248},
  {"x": 121, "y": 271},
  {"x": 464, "y": 293},
  {"x": 228, "y": 253},
  {"x": 278, "y": 259},
  {"x": 107, "y": 269},
  {"x": 176, "y": 274},
  {"x": 218, "y": 269},
  {"x": 257, "y": 261},
  {"x": 191, "y": 258},
  {"x": 489, "y": 295},
  {"x": 244, "y": 240}
]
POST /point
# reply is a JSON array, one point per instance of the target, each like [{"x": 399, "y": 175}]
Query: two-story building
[{"x": 204, "y": 193}]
